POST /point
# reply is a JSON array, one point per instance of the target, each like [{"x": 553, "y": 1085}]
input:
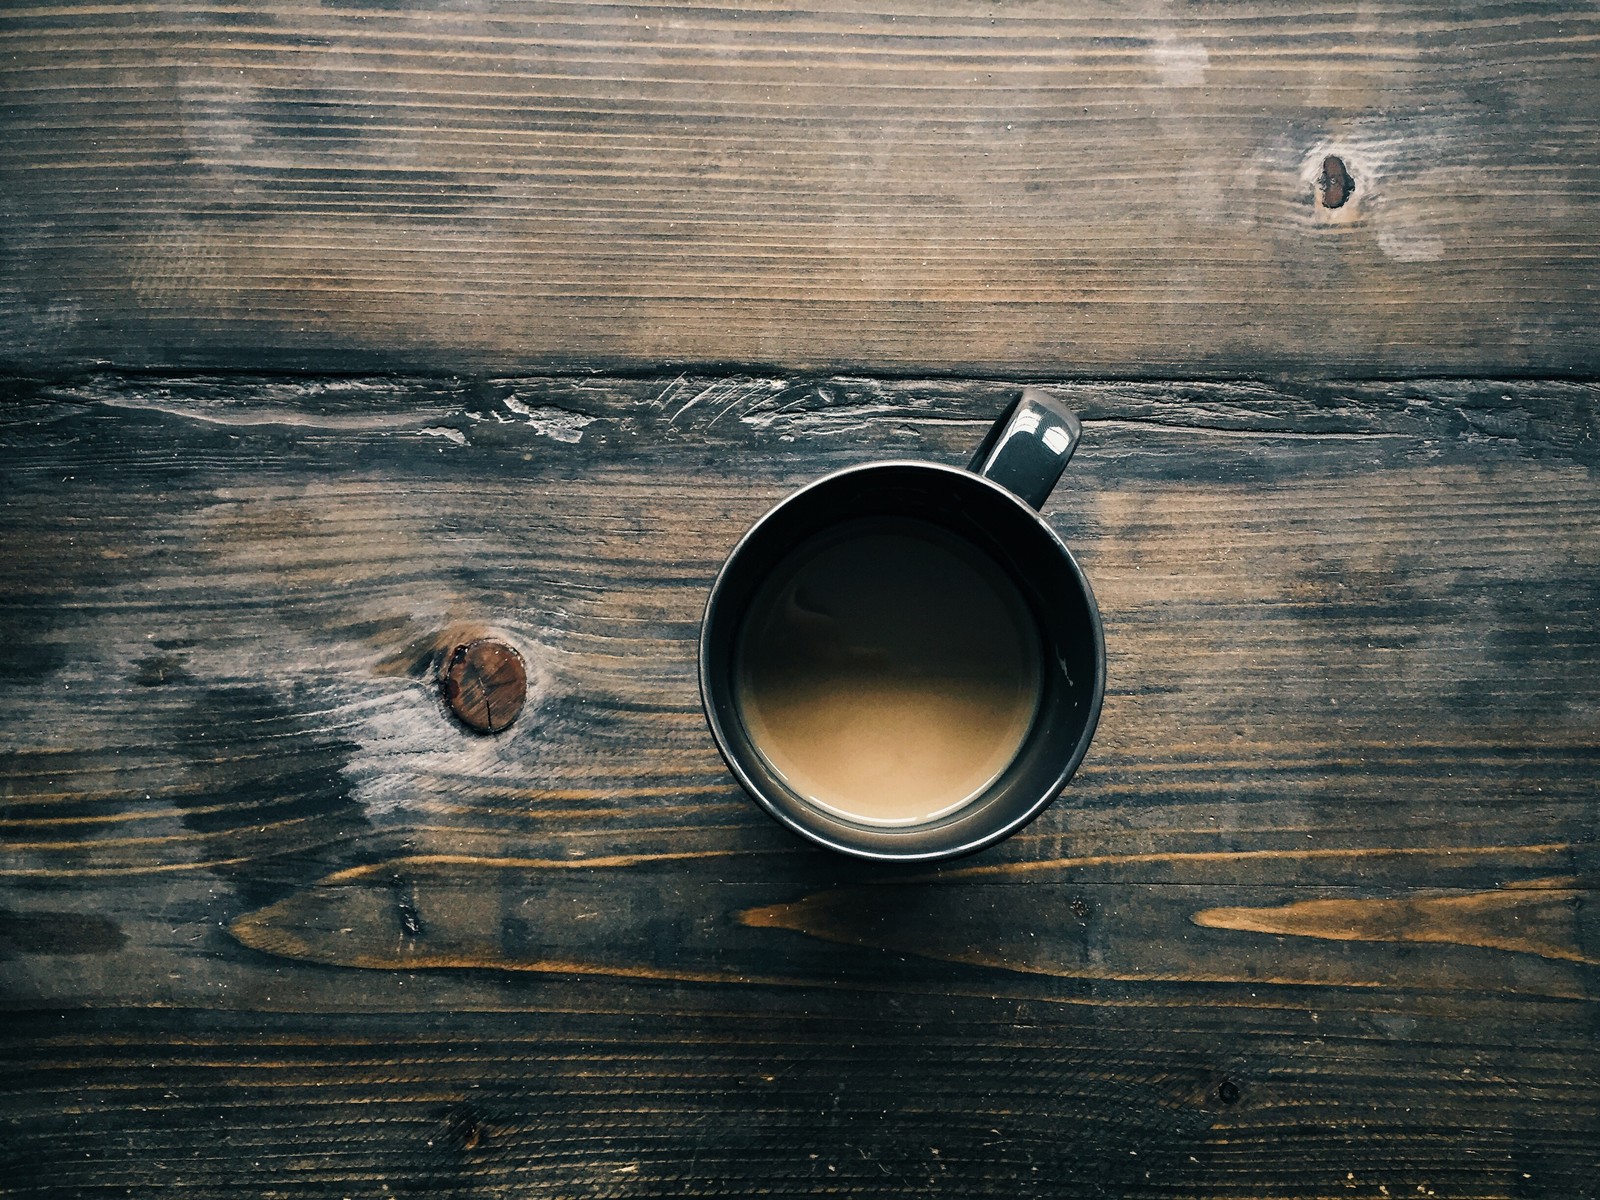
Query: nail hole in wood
[
  {"x": 1228, "y": 1092},
  {"x": 1334, "y": 184}
]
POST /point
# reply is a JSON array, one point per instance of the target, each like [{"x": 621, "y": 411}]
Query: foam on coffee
[{"x": 888, "y": 671}]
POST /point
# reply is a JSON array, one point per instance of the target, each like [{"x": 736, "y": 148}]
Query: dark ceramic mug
[{"x": 992, "y": 509}]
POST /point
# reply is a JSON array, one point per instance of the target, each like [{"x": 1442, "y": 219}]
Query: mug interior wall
[{"x": 1055, "y": 591}]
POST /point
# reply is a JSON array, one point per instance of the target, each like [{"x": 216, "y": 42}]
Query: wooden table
[{"x": 341, "y": 332}]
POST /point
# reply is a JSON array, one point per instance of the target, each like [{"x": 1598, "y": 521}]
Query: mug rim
[{"x": 971, "y": 845}]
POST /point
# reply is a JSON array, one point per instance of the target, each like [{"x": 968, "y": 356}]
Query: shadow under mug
[{"x": 993, "y": 507}]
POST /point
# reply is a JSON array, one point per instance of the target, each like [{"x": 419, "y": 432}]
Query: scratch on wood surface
[
  {"x": 1535, "y": 917},
  {"x": 711, "y": 389},
  {"x": 715, "y": 400}
]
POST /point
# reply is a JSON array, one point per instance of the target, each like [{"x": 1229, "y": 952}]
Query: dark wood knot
[
  {"x": 485, "y": 684},
  {"x": 1334, "y": 184}
]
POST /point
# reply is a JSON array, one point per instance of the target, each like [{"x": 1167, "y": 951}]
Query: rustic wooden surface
[
  {"x": 1316, "y": 919},
  {"x": 1034, "y": 189}
]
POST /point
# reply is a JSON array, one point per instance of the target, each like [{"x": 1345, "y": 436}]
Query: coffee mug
[{"x": 902, "y": 661}]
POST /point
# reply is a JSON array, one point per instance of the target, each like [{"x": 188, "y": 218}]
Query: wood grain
[
  {"x": 553, "y": 916},
  {"x": 1315, "y": 919},
  {"x": 1533, "y": 917},
  {"x": 1035, "y": 190}
]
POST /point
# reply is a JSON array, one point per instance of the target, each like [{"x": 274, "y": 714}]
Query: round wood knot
[{"x": 485, "y": 684}]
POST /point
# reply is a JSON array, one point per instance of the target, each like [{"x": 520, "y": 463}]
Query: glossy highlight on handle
[{"x": 1029, "y": 446}]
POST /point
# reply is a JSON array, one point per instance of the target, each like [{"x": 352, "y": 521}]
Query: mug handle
[{"x": 1028, "y": 447}]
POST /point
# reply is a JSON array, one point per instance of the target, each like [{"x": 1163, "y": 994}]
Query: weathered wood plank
[
  {"x": 1351, "y": 593},
  {"x": 1316, "y": 917},
  {"x": 1044, "y": 189},
  {"x": 898, "y": 1098}
]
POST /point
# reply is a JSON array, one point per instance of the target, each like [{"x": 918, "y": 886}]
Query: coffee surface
[{"x": 888, "y": 671}]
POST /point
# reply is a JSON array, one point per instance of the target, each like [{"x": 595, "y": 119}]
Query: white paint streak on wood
[
  {"x": 444, "y": 431},
  {"x": 549, "y": 421}
]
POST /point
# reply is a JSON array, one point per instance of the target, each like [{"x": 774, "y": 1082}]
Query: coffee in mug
[
  {"x": 902, "y": 661},
  {"x": 888, "y": 671}
]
